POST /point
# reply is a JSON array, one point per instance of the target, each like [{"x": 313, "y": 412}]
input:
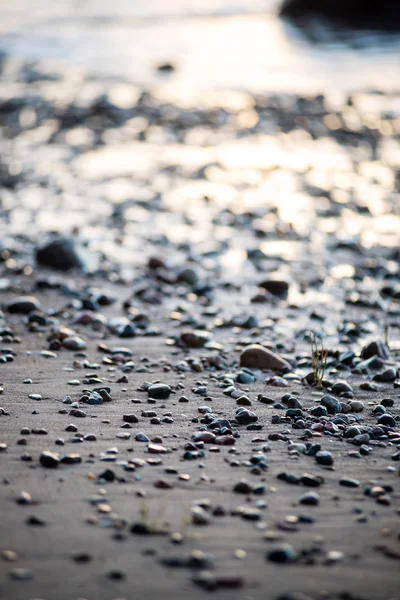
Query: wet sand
[{"x": 187, "y": 215}]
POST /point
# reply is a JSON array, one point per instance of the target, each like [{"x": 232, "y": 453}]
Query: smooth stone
[
  {"x": 387, "y": 420},
  {"x": 23, "y": 305},
  {"x": 159, "y": 391},
  {"x": 309, "y": 499},
  {"x": 195, "y": 338},
  {"x": 331, "y": 404},
  {"x": 200, "y": 516},
  {"x": 256, "y": 356},
  {"x": 74, "y": 343},
  {"x": 324, "y": 458},
  {"x": 243, "y": 487},
  {"x": 50, "y": 460},
  {"x": 349, "y": 482},
  {"x": 245, "y": 417}
]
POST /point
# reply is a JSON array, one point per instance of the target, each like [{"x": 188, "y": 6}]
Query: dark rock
[
  {"x": 309, "y": 499},
  {"x": 376, "y": 348},
  {"x": 324, "y": 458},
  {"x": 331, "y": 404},
  {"x": 23, "y": 305},
  {"x": 107, "y": 475},
  {"x": 311, "y": 480},
  {"x": 319, "y": 411},
  {"x": 50, "y": 460},
  {"x": 62, "y": 254},
  {"x": 285, "y": 553},
  {"x": 276, "y": 287},
  {"x": 195, "y": 338},
  {"x": 245, "y": 417},
  {"x": 130, "y": 418},
  {"x": 159, "y": 391},
  {"x": 349, "y": 482},
  {"x": 387, "y": 420},
  {"x": 243, "y": 487},
  {"x": 356, "y": 14},
  {"x": 387, "y": 376},
  {"x": 340, "y": 387}
]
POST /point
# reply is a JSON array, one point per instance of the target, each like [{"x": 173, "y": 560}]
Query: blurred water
[{"x": 212, "y": 43}]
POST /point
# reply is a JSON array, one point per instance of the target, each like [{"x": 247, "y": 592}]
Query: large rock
[
  {"x": 357, "y": 14},
  {"x": 62, "y": 254},
  {"x": 258, "y": 357}
]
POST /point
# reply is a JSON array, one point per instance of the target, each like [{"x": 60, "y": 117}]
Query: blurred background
[
  {"x": 210, "y": 44},
  {"x": 205, "y": 127}
]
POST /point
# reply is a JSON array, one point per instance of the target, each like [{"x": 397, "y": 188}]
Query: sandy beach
[{"x": 200, "y": 339}]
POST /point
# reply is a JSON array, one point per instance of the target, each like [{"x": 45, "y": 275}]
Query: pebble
[
  {"x": 331, "y": 404},
  {"x": 50, "y": 460},
  {"x": 21, "y": 574},
  {"x": 324, "y": 457},
  {"x": 200, "y": 516},
  {"x": 62, "y": 254},
  {"x": 349, "y": 482},
  {"x": 284, "y": 553},
  {"x": 159, "y": 391},
  {"x": 195, "y": 338},
  {"x": 258, "y": 357},
  {"x": 23, "y": 305},
  {"x": 243, "y": 487},
  {"x": 309, "y": 499}
]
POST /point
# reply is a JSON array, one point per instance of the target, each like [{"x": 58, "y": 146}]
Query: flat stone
[{"x": 23, "y": 305}]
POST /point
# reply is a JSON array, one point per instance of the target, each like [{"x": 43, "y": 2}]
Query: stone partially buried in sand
[{"x": 256, "y": 356}]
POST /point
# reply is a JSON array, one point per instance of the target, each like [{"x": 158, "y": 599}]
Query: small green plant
[{"x": 319, "y": 356}]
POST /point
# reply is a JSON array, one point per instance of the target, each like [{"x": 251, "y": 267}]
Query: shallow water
[{"x": 212, "y": 43}]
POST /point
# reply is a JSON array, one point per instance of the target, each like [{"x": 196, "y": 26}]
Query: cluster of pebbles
[{"x": 202, "y": 358}]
